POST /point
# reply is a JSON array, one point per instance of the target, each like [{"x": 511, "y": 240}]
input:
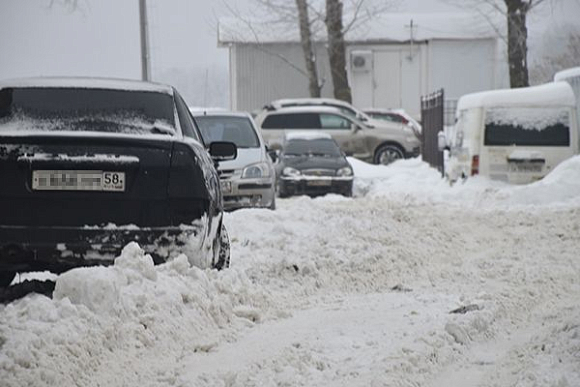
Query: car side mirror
[
  {"x": 274, "y": 155},
  {"x": 442, "y": 141},
  {"x": 355, "y": 127},
  {"x": 223, "y": 150}
]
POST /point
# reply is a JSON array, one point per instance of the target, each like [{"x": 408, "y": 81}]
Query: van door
[{"x": 523, "y": 144}]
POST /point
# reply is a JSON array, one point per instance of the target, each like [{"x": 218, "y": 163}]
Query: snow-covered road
[{"x": 332, "y": 292}]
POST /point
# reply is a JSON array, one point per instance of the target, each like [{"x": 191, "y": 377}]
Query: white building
[{"x": 392, "y": 60}]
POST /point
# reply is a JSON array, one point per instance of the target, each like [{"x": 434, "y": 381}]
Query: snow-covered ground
[{"x": 332, "y": 292}]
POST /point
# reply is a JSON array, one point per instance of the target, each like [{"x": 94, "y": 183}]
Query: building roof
[
  {"x": 86, "y": 83},
  {"x": 392, "y": 27},
  {"x": 549, "y": 94}
]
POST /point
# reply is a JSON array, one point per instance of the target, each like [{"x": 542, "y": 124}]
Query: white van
[{"x": 515, "y": 135}]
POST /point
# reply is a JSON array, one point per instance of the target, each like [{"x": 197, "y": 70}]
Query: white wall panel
[{"x": 267, "y": 72}]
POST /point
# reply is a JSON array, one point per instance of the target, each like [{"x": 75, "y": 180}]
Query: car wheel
[
  {"x": 6, "y": 278},
  {"x": 388, "y": 153},
  {"x": 223, "y": 261},
  {"x": 280, "y": 191}
]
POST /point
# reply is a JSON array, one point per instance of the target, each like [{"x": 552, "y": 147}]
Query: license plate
[
  {"x": 526, "y": 168},
  {"x": 70, "y": 180},
  {"x": 319, "y": 183},
  {"x": 226, "y": 186}
]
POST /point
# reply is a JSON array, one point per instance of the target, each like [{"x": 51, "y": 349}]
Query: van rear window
[{"x": 527, "y": 127}]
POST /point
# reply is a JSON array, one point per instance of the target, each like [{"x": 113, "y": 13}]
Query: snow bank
[
  {"x": 331, "y": 291},
  {"x": 102, "y": 317},
  {"x": 418, "y": 180}
]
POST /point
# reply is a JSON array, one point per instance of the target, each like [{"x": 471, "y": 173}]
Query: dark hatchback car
[
  {"x": 88, "y": 165},
  {"x": 311, "y": 163}
]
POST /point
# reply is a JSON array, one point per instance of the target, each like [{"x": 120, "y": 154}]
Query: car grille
[{"x": 319, "y": 172}]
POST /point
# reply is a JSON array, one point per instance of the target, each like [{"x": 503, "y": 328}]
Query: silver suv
[{"x": 379, "y": 145}]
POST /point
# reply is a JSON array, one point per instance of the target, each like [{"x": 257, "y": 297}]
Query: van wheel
[
  {"x": 388, "y": 153},
  {"x": 6, "y": 278},
  {"x": 223, "y": 261}
]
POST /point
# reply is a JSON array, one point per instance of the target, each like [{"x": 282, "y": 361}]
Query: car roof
[
  {"x": 216, "y": 112},
  {"x": 279, "y": 103},
  {"x": 307, "y": 109},
  {"x": 306, "y": 135},
  {"x": 86, "y": 83}
]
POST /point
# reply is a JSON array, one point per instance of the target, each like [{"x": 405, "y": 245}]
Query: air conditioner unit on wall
[{"x": 361, "y": 61}]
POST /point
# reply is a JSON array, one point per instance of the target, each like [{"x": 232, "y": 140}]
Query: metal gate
[{"x": 432, "y": 116}]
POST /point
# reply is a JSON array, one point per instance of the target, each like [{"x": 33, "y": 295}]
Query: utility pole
[
  {"x": 143, "y": 26},
  {"x": 411, "y": 26}
]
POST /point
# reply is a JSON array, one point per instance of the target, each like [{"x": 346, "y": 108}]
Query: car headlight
[
  {"x": 346, "y": 171},
  {"x": 256, "y": 171},
  {"x": 289, "y": 171}
]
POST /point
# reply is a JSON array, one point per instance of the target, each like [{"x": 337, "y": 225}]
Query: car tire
[
  {"x": 223, "y": 261},
  {"x": 388, "y": 153},
  {"x": 281, "y": 192},
  {"x": 6, "y": 278}
]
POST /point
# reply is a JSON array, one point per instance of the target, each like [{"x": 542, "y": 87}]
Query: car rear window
[
  {"x": 86, "y": 109},
  {"x": 527, "y": 126},
  {"x": 292, "y": 121},
  {"x": 238, "y": 130},
  {"x": 323, "y": 147}
]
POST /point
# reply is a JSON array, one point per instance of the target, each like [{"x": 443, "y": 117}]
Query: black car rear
[{"x": 84, "y": 169}]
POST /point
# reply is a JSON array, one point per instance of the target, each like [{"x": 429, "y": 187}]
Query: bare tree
[
  {"x": 309, "y": 55},
  {"x": 336, "y": 50},
  {"x": 564, "y": 57},
  {"x": 313, "y": 16},
  {"x": 517, "y": 39},
  {"x": 515, "y": 13}
]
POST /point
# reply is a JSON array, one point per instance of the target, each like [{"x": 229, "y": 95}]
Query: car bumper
[
  {"x": 61, "y": 248},
  {"x": 247, "y": 193},
  {"x": 315, "y": 186}
]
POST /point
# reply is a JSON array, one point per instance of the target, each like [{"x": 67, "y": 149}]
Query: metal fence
[{"x": 432, "y": 120}]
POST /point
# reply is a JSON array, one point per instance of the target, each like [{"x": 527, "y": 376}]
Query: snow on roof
[
  {"x": 568, "y": 73},
  {"x": 287, "y": 102},
  {"x": 306, "y": 135},
  {"x": 549, "y": 94},
  {"x": 393, "y": 27},
  {"x": 87, "y": 83},
  {"x": 307, "y": 109}
]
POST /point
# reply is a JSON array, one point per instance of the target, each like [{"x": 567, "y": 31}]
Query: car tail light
[{"x": 475, "y": 165}]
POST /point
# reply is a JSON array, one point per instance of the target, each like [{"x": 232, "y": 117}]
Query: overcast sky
[{"x": 101, "y": 37}]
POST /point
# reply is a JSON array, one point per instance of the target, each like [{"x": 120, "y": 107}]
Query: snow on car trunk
[{"x": 332, "y": 291}]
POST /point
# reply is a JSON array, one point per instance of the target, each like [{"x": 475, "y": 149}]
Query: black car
[
  {"x": 88, "y": 165},
  {"x": 311, "y": 163}
]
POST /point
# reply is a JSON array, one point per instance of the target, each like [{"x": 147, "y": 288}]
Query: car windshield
[
  {"x": 86, "y": 109},
  {"x": 320, "y": 147},
  {"x": 238, "y": 130}
]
